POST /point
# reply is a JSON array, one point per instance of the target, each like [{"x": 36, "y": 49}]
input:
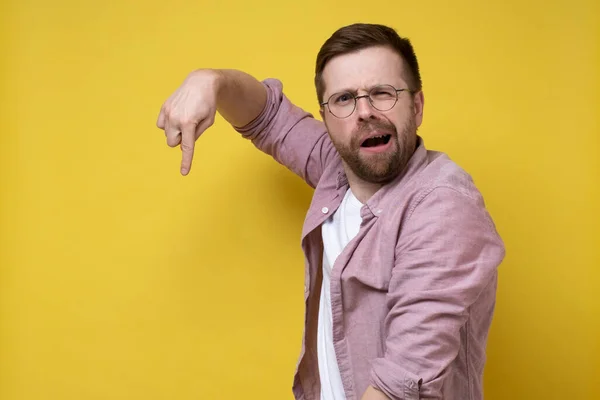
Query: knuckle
[
  {"x": 187, "y": 147},
  {"x": 172, "y": 141},
  {"x": 188, "y": 121}
]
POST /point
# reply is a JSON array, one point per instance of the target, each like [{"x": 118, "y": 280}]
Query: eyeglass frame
[{"x": 356, "y": 98}]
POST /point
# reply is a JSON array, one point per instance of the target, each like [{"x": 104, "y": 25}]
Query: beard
[{"x": 379, "y": 167}]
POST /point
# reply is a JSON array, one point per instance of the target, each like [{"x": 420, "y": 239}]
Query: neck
[{"x": 361, "y": 189}]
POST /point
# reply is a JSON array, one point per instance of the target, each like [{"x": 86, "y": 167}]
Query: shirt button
[
  {"x": 324, "y": 210},
  {"x": 379, "y": 211}
]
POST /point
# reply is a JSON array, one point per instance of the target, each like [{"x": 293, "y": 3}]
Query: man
[{"x": 401, "y": 254}]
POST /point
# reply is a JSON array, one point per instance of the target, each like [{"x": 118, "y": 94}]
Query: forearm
[
  {"x": 240, "y": 98},
  {"x": 373, "y": 394}
]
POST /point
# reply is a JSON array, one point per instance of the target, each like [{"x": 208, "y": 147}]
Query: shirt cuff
[
  {"x": 396, "y": 382},
  {"x": 252, "y": 129}
]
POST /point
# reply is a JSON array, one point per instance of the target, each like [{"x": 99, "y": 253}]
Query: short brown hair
[{"x": 360, "y": 36}]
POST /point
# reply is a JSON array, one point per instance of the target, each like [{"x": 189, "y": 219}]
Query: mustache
[{"x": 377, "y": 125}]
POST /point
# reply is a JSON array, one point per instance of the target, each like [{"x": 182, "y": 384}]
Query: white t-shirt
[{"x": 337, "y": 231}]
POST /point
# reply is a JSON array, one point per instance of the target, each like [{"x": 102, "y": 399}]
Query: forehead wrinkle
[{"x": 365, "y": 89}]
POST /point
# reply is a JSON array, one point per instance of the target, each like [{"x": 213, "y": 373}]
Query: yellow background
[{"x": 120, "y": 279}]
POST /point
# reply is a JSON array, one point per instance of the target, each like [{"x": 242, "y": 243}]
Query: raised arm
[
  {"x": 258, "y": 110},
  {"x": 191, "y": 109}
]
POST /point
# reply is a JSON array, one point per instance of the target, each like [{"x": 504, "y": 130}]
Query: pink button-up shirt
[{"x": 412, "y": 295}]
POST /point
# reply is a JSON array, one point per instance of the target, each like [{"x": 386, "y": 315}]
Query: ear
[
  {"x": 418, "y": 105},
  {"x": 322, "y": 113}
]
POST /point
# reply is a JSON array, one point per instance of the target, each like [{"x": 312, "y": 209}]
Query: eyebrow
[
  {"x": 355, "y": 91},
  {"x": 344, "y": 90}
]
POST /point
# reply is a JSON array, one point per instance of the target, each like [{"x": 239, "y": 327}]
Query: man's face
[{"x": 375, "y": 145}]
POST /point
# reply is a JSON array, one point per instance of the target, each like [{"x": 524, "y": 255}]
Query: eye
[
  {"x": 383, "y": 93},
  {"x": 342, "y": 98}
]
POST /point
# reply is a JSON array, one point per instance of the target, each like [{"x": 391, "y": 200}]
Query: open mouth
[{"x": 376, "y": 141}]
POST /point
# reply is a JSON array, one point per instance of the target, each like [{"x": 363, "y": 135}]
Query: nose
[{"x": 364, "y": 108}]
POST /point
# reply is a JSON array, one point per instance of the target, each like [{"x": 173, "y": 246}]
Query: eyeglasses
[{"x": 382, "y": 98}]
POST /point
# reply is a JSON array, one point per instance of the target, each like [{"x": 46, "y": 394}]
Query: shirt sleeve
[
  {"x": 446, "y": 260},
  {"x": 290, "y": 135}
]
